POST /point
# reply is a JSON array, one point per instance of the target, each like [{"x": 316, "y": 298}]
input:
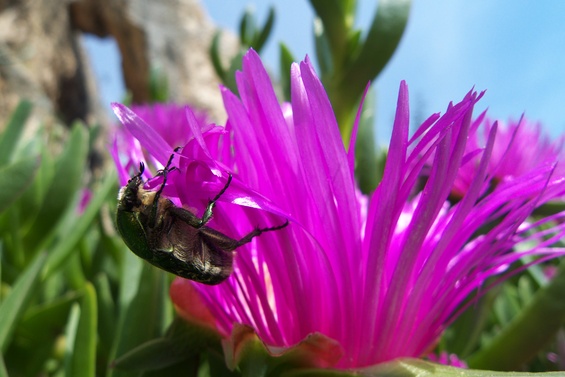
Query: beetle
[{"x": 173, "y": 238}]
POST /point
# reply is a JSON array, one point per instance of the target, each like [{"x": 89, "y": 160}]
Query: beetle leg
[
  {"x": 208, "y": 212},
  {"x": 193, "y": 220},
  {"x": 155, "y": 205},
  {"x": 225, "y": 243},
  {"x": 164, "y": 173},
  {"x": 257, "y": 231},
  {"x": 186, "y": 216}
]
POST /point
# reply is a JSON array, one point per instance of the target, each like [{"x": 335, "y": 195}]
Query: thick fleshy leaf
[
  {"x": 15, "y": 178},
  {"x": 152, "y": 355},
  {"x": 184, "y": 341},
  {"x": 285, "y": 61},
  {"x": 82, "y": 344},
  {"x": 381, "y": 42},
  {"x": 215, "y": 56},
  {"x": 263, "y": 34},
  {"x": 142, "y": 303},
  {"x": 65, "y": 183},
  {"x": 528, "y": 332},
  {"x": 335, "y": 17},
  {"x": 106, "y": 313},
  {"x": 3, "y": 371},
  {"x": 367, "y": 170},
  {"x": 64, "y": 246},
  {"x": 13, "y": 131},
  {"x": 41, "y": 322},
  {"x": 12, "y": 308}
]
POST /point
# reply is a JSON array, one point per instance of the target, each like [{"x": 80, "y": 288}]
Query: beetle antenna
[{"x": 138, "y": 175}]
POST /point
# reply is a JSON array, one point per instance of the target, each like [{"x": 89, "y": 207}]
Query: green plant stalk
[
  {"x": 527, "y": 333},
  {"x": 14, "y": 305},
  {"x": 82, "y": 357},
  {"x": 337, "y": 19}
]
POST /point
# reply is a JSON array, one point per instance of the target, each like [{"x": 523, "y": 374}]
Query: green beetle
[{"x": 173, "y": 238}]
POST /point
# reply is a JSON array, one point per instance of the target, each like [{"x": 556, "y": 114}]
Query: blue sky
[{"x": 513, "y": 49}]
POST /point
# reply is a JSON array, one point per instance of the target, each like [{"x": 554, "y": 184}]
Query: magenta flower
[
  {"x": 519, "y": 148},
  {"x": 378, "y": 278}
]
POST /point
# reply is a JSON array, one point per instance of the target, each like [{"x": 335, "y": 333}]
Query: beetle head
[{"x": 129, "y": 196}]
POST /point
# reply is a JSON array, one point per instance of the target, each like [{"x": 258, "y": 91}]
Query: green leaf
[
  {"x": 215, "y": 365},
  {"x": 41, "y": 322},
  {"x": 71, "y": 236},
  {"x": 550, "y": 208},
  {"x": 14, "y": 305},
  {"x": 336, "y": 18},
  {"x": 235, "y": 65},
  {"x": 15, "y": 179},
  {"x": 66, "y": 182},
  {"x": 247, "y": 27},
  {"x": 38, "y": 335},
  {"x": 73, "y": 271},
  {"x": 186, "y": 368},
  {"x": 286, "y": 60},
  {"x": 70, "y": 337},
  {"x": 464, "y": 334},
  {"x": 158, "y": 86},
  {"x": 261, "y": 37},
  {"x": 506, "y": 306},
  {"x": 528, "y": 332},
  {"x": 215, "y": 56},
  {"x": 323, "y": 50},
  {"x": 3, "y": 371},
  {"x": 31, "y": 201},
  {"x": 142, "y": 305},
  {"x": 382, "y": 40},
  {"x": 152, "y": 355},
  {"x": 182, "y": 341},
  {"x": 106, "y": 314},
  {"x": 250, "y": 35},
  {"x": 11, "y": 135},
  {"x": 365, "y": 147},
  {"x": 83, "y": 356}
]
